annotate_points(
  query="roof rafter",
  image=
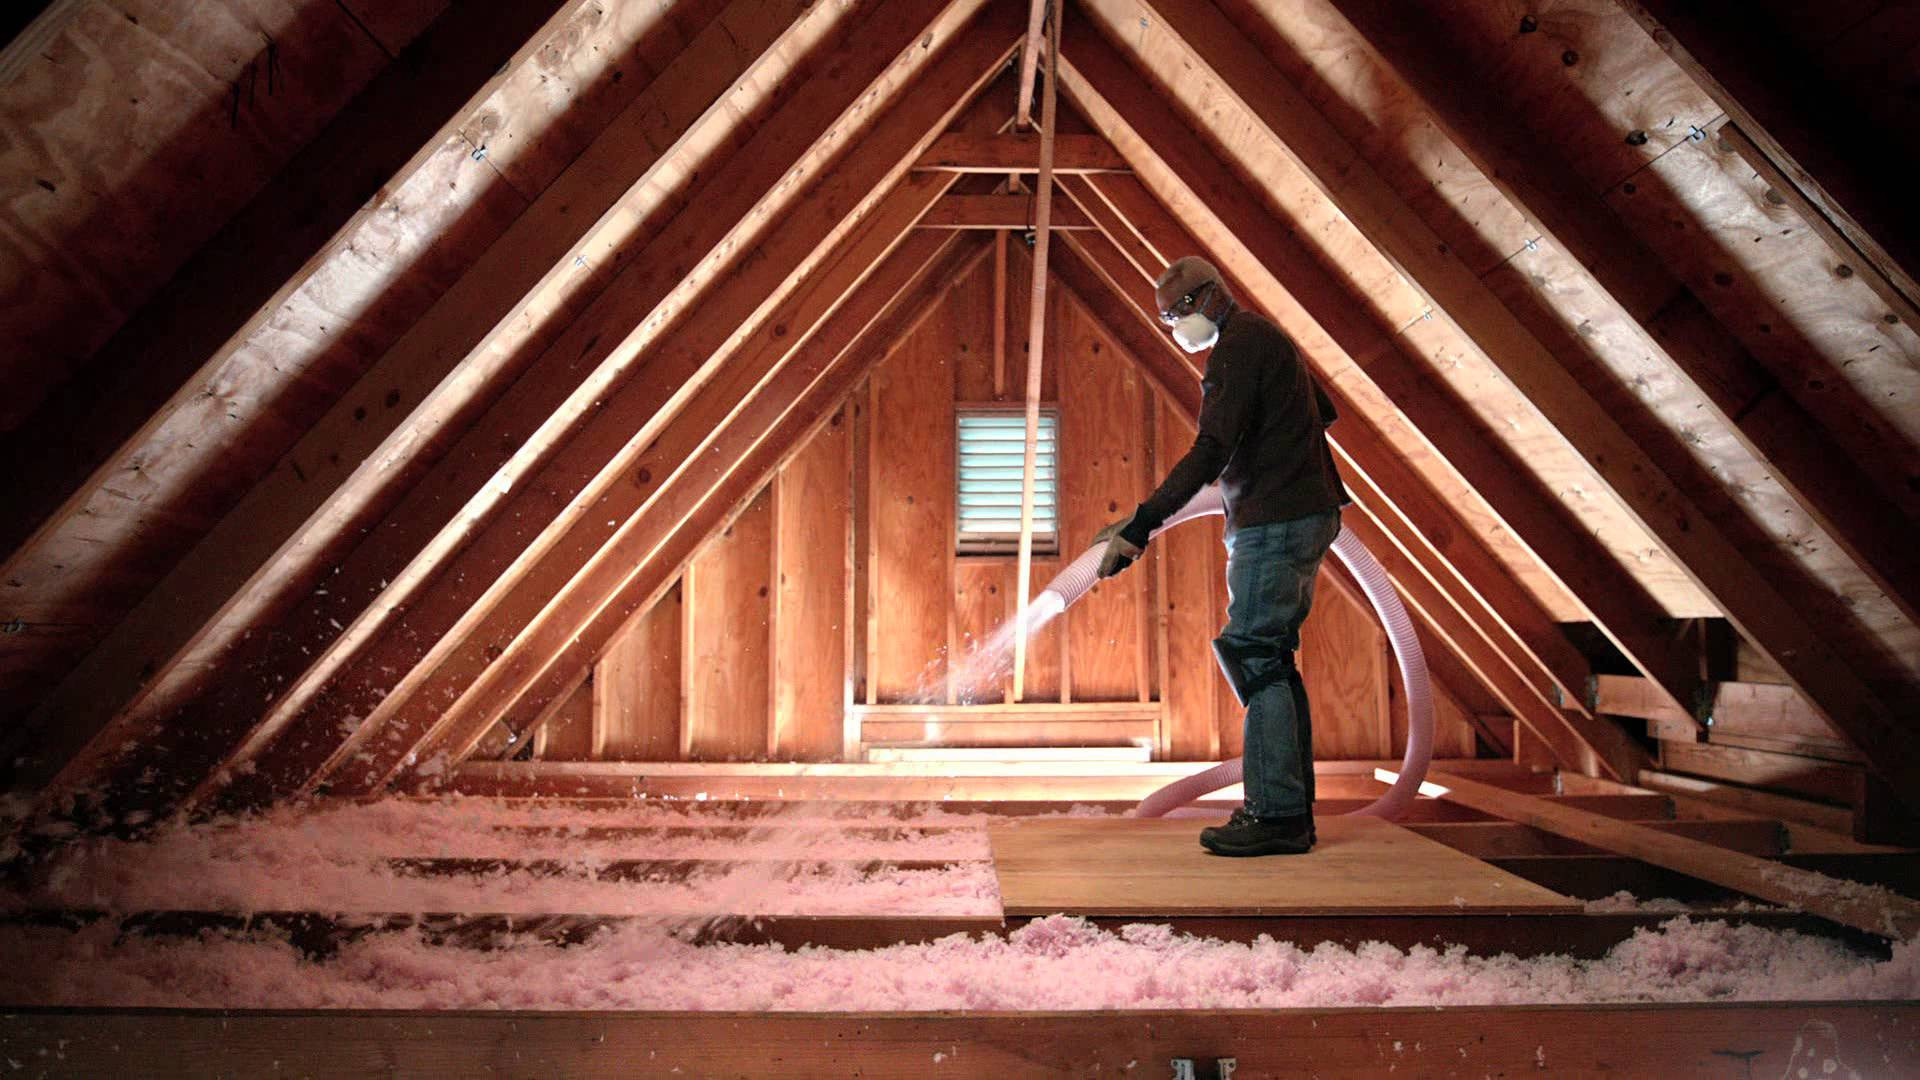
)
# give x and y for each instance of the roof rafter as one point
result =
(1849, 502)
(774, 428)
(1512, 674)
(1749, 598)
(1320, 316)
(824, 211)
(563, 351)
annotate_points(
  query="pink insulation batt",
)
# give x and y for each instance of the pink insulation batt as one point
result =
(824, 860)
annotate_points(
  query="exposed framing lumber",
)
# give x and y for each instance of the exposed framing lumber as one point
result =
(646, 401)
(651, 551)
(1036, 348)
(1522, 696)
(1777, 430)
(999, 154)
(1747, 707)
(361, 459)
(954, 80)
(1030, 61)
(999, 212)
(1620, 756)
(1748, 597)
(1681, 1039)
(1712, 49)
(311, 332)
(1274, 270)
(1525, 698)
(1885, 914)
(683, 442)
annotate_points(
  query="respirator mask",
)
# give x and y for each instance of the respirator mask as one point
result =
(1194, 332)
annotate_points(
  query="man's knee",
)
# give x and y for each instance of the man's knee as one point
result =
(1252, 668)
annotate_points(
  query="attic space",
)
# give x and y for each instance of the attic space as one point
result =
(802, 537)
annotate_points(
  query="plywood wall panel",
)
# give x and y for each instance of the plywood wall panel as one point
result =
(911, 466)
(636, 688)
(1343, 658)
(568, 733)
(810, 572)
(981, 588)
(1103, 452)
(1192, 556)
(728, 601)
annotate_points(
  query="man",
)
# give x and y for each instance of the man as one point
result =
(1262, 435)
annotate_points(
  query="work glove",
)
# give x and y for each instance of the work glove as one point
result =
(1119, 552)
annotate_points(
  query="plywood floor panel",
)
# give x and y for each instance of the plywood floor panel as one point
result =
(1129, 866)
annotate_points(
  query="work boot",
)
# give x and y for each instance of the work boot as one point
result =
(1244, 834)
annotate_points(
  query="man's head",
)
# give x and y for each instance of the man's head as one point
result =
(1193, 300)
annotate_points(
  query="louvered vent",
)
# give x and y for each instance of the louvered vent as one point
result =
(992, 446)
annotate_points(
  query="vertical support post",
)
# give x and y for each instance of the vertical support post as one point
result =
(999, 314)
(1036, 331)
(1029, 63)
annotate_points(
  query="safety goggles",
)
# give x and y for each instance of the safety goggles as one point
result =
(1186, 305)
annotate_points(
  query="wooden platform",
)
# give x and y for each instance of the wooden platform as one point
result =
(1126, 866)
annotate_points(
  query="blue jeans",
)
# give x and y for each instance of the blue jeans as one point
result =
(1270, 574)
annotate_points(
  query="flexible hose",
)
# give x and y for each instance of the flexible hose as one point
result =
(1081, 574)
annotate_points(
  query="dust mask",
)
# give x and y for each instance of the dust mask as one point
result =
(1195, 332)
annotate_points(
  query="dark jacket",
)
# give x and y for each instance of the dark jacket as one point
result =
(1263, 420)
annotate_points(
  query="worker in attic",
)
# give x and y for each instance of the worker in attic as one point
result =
(1262, 436)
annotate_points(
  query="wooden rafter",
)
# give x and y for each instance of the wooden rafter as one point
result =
(1516, 614)
(1885, 913)
(1727, 57)
(228, 416)
(1751, 599)
(1328, 321)
(886, 150)
(445, 513)
(571, 584)
(1452, 541)
(775, 427)
(1852, 504)
(287, 553)
(1513, 675)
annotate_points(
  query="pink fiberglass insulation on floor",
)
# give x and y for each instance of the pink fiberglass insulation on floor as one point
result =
(795, 859)
(1059, 963)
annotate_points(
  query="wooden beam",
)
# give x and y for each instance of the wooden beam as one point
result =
(48, 455)
(1268, 265)
(1874, 911)
(264, 564)
(1620, 755)
(531, 598)
(1030, 62)
(1074, 155)
(1778, 430)
(647, 555)
(1036, 342)
(446, 670)
(1747, 708)
(1526, 698)
(1748, 597)
(1680, 1039)
(348, 678)
(998, 212)
(1814, 138)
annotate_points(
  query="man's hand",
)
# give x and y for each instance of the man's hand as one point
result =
(1120, 552)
